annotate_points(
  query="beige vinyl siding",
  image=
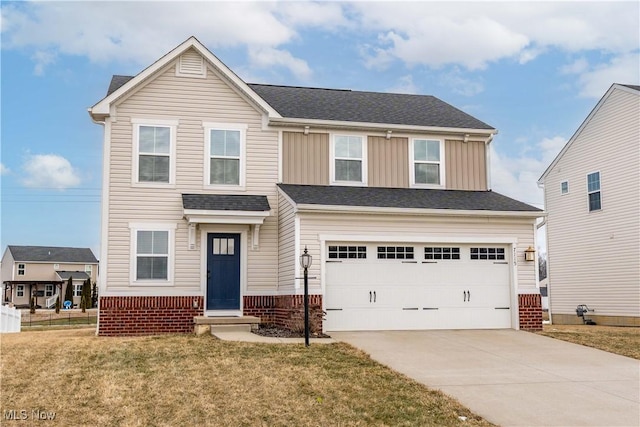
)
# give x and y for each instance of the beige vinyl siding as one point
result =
(388, 162)
(432, 229)
(286, 238)
(466, 165)
(7, 269)
(191, 101)
(46, 270)
(305, 158)
(593, 256)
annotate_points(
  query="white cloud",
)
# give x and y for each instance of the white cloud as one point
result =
(49, 171)
(623, 69)
(4, 170)
(461, 85)
(269, 57)
(405, 84)
(517, 176)
(578, 66)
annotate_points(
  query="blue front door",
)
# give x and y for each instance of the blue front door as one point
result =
(223, 271)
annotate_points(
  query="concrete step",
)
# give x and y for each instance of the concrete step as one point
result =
(230, 328)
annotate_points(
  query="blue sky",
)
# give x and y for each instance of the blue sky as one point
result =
(532, 70)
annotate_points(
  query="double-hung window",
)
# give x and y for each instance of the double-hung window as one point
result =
(48, 290)
(225, 156)
(426, 158)
(21, 269)
(152, 255)
(77, 289)
(349, 159)
(593, 191)
(20, 291)
(154, 142)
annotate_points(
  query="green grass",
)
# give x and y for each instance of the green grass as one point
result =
(189, 380)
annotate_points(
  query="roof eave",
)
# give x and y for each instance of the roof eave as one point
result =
(383, 127)
(306, 207)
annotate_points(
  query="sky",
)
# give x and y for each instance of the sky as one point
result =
(533, 70)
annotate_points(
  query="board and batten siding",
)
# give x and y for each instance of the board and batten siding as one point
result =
(305, 160)
(436, 229)
(466, 165)
(593, 256)
(191, 101)
(287, 249)
(388, 162)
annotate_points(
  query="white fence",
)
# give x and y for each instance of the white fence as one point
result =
(9, 319)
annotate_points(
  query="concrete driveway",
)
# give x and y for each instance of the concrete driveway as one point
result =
(514, 378)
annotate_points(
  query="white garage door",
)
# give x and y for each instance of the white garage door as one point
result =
(417, 286)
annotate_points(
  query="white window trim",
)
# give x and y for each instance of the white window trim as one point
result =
(242, 128)
(135, 158)
(562, 182)
(88, 268)
(586, 179)
(77, 289)
(332, 163)
(49, 290)
(24, 269)
(134, 228)
(412, 169)
(20, 290)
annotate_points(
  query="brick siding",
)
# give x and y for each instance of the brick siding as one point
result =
(148, 315)
(530, 312)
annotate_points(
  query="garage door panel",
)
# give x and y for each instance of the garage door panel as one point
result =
(373, 293)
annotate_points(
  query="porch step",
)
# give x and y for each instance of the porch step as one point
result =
(204, 324)
(230, 328)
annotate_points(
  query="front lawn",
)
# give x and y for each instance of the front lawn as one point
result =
(620, 340)
(188, 380)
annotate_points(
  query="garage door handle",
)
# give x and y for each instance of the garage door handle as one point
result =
(374, 296)
(468, 296)
(369, 296)
(464, 295)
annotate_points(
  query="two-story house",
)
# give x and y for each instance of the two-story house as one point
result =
(592, 194)
(213, 188)
(43, 272)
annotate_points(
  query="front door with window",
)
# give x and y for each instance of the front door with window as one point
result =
(223, 271)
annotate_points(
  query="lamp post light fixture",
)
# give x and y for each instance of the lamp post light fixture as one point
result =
(530, 254)
(305, 263)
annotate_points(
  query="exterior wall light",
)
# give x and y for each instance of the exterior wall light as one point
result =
(530, 254)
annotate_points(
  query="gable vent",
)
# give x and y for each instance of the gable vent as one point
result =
(191, 64)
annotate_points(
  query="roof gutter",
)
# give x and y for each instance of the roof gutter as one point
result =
(369, 210)
(382, 127)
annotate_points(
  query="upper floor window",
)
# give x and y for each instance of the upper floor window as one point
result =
(88, 268)
(593, 191)
(155, 151)
(426, 159)
(564, 187)
(21, 269)
(225, 159)
(349, 159)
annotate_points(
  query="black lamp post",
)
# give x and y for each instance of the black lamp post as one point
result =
(305, 263)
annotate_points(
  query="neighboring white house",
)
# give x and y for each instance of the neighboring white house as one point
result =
(592, 196)
(213, 188)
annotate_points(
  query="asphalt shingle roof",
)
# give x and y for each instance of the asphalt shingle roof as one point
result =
(409, 198)
(366, 107)
(634, 87)
(355, 106)
(225, 202)
(52, 254)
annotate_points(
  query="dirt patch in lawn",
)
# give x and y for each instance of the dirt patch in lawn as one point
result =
(620, 340)
(196, 380)
(275, 331)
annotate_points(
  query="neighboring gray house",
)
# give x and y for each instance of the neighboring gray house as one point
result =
(592, 196)
(44, 271)
(213, 188)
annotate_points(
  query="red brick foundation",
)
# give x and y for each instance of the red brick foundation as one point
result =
(128, 315)
(149, 315)
(286, 311)
(530, 312)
